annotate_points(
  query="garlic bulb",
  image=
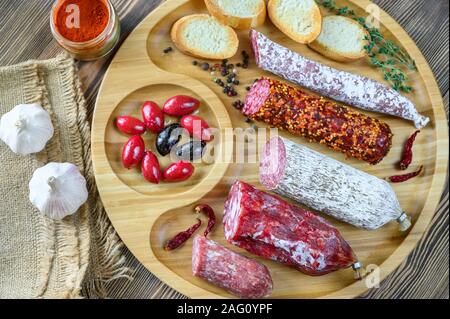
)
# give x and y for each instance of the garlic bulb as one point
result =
(26, 129)
(58, 189)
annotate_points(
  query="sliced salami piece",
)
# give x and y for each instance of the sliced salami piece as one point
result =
(237, 274)
(319, 120)
(352, 89)
(326, 185)
(268, 226)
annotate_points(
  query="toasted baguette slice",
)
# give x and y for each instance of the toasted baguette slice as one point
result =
(242, 14)
(202, 36)
(300, 20)
(341, 39)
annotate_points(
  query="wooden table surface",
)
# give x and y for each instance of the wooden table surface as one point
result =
(25, 34)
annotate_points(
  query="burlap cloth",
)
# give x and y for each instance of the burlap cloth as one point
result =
(40, 257)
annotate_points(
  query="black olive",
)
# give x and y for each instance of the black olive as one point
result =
(167, 138)
(191, 151)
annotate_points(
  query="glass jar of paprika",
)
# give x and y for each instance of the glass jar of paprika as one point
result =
(88, 29)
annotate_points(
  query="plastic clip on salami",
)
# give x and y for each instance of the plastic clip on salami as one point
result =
(326, 185)
(359, 270)
(404, 221)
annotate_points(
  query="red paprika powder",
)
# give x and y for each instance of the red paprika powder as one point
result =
(93, 19)
(88, 29)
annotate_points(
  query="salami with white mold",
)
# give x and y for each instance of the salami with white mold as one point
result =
(326, 185)
(239, 275)
(268, 226)
(352, 89)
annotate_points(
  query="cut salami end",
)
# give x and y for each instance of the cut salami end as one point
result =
(254, 45)
(257, 96)
(239, 275)
(272, 163)
(268, 226)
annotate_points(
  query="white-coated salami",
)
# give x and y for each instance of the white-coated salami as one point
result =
(326, 185)
(352, 89)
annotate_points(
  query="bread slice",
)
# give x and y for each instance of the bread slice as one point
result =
(241, 14)
(203, 36)
(341, 39)
(300, 20)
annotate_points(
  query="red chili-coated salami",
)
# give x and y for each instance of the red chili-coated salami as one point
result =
(239, 275)
(319, 120)
(270, 227)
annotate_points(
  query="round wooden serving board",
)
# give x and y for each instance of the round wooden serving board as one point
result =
(146, 215)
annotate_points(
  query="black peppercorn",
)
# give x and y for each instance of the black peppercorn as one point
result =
(194, 62)
(236, 82)
(248, 88)
(167, 50)
(205, 66)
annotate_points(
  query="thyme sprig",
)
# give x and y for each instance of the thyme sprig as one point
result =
(384, 54)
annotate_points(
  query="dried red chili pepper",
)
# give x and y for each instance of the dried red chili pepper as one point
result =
(405, 177)
(182, 237)
(407, 151)
(209, 212)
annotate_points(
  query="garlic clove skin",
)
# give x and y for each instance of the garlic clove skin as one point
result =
(58, 190)
(26, 129)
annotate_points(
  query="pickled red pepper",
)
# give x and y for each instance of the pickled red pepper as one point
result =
(407, 152)
(405, 177)
(182, 237)
(209, 212)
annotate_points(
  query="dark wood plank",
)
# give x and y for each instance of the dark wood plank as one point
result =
(25, 34)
